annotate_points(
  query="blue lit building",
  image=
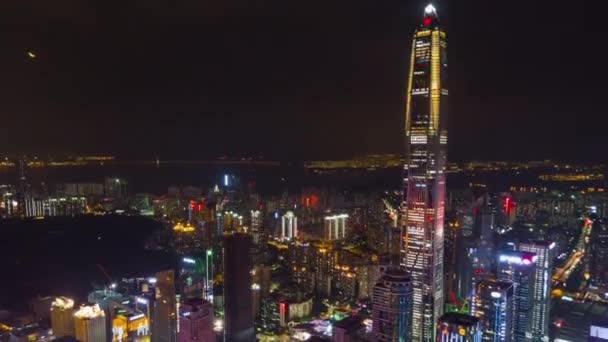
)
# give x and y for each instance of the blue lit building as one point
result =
(492, 304)
(392, 307)
(519, 268)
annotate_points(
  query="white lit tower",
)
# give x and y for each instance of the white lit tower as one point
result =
(424, 173)
(289, 226)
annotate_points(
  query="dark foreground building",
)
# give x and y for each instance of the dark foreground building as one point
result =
(238, 301)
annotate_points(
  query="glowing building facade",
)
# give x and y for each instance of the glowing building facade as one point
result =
(424, 173)
(335, 227)
(130, 327)
(62, 317)
(289, 226)
(492, 304)
(541, 291)
(90, 324)
(520, 269)
(457, 327)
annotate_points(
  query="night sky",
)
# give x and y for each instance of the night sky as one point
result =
(295, 79)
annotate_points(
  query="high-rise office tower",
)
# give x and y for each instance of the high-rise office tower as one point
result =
(541, 296)
(492, 304)
(164, 325)
(392, 307)
(424, 173)
(457, 327)
(196, 321)
(518, 268)
(238, 306)
(90, 324)
(62, 317)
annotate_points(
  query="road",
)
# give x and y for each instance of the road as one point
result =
(561, 275)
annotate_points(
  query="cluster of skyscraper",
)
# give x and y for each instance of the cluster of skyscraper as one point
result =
(509, 295)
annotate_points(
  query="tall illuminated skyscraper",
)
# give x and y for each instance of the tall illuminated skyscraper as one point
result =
(541, 291)
(519, 268)
(424, 173)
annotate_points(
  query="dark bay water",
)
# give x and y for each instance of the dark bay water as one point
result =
(68, 256)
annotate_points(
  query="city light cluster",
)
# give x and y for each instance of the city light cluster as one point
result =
(184, 228)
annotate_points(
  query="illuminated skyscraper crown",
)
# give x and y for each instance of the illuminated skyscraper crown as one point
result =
(431, 18)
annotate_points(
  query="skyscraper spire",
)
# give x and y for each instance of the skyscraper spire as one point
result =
(430, 10)
(431, 18)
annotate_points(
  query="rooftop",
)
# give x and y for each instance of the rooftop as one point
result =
(89, 311)
(396, 275)
(62, 303)
(458, 318)
(350, 323)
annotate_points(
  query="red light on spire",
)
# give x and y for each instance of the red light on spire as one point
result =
(427, 21)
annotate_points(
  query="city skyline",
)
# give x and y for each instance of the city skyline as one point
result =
(260, 241)
(163, 79)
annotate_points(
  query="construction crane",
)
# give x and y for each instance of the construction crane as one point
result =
(393, 214)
